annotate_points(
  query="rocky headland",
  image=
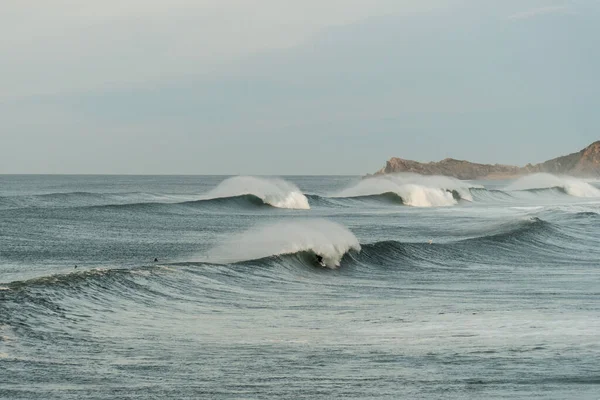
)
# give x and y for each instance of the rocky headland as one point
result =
(584, 163)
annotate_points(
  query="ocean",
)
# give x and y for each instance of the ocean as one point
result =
(301, 287)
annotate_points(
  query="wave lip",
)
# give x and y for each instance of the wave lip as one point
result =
(324, 238)
(569, 185)
(413, 189)
(275, 192)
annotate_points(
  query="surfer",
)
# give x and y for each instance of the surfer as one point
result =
(156, 260)
(320, 260)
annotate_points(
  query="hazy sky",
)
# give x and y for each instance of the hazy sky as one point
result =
(293, 87)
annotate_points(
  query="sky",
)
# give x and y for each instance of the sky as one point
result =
(293, 87)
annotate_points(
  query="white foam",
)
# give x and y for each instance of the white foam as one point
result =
(527, 208)
(326, 238)
(276, 192)
(572, 186)
(415, 190)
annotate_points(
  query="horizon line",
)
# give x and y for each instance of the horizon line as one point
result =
(127, 174)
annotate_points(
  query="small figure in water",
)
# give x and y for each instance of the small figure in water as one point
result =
(75, 267)
(156, 260)
(430, 241)
(320, 259)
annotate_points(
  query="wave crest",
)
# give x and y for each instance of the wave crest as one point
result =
(413, 189)
(321, 237)
(275, 192)
(571, 186)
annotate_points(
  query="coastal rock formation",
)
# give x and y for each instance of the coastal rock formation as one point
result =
(585, 163)
(450, 167)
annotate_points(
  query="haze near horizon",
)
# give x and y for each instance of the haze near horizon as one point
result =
(329, 87)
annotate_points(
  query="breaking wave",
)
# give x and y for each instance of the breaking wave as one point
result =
(296, 244)
(413, 189)
(251, 192)
(275, 192)
(326, 239)
(569, 185)
(239, 201)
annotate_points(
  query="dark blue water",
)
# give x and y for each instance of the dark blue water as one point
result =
(405, 287)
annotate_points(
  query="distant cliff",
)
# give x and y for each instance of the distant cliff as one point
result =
(585, 163)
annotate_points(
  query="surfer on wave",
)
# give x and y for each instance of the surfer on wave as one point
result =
(320, 260)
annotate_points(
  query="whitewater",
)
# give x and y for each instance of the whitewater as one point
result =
(275, 192)
(412, 189)
(299, 287)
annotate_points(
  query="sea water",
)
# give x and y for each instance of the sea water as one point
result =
(429, 287)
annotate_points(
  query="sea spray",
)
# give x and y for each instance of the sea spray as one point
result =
(414, 190)
(572, 186)
(321, 237)
(275, 192)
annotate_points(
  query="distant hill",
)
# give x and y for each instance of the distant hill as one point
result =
(585, 163)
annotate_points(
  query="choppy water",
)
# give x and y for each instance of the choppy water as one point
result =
(431, 288)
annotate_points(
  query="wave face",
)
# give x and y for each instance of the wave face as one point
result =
(413, 190)
(321, 237)
(571, 186)
(275, 192)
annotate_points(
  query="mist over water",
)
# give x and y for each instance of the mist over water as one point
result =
(274, 192)
(572, 186)
(320, 237)
(305, 287)
(413, 189)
